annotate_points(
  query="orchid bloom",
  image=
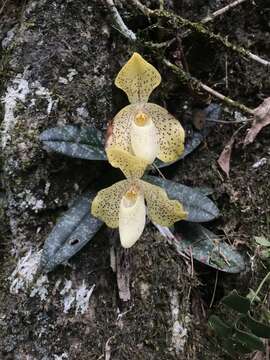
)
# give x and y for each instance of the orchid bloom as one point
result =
(123, 204)
(143, 129)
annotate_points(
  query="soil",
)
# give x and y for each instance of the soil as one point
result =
(68, 54)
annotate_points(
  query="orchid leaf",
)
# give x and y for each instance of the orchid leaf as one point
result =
(74, 141)
(262, 240)
(73, 231)
(250, 341)
(258, 328)
(207, 248)
(234, 347)
(237, 302)
(222, 329)
(199, 207)
(205, 190)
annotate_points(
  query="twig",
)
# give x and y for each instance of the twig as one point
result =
(129, 34)
(214, 291)
(188, 79)
(159, 172)
(159, 45)
(166, 232)
(144, 9)
(177, 20)
(221, 11)
(3, 6)
(226, 99)
(258, 59)
(260, 287)
(230, 122)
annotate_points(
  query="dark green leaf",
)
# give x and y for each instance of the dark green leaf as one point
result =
(73, 231)
(234, 347)
(220, 327)
(207, 248)
(258, 328)
(237, 302)
(75, 141)
(250, 341)
(198, 206)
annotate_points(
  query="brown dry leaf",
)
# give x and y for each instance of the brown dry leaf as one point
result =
(260, 120)
(225, 157)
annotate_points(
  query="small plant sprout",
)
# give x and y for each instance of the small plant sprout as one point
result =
(143, 129)
(123, 205)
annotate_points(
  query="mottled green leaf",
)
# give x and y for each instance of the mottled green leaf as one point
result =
(207, 248)
(205, 190)
(198, 206)
(237, 302)
(261, 240)
(265, 254)
(220, 327)
(234, 347)
(73, 231)
(250, 341)
(258, 328)
(75, 141)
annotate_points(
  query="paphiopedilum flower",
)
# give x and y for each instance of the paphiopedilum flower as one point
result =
(123, 205)
(144, 129)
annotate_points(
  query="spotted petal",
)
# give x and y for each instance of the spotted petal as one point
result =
(132, 166)
(106, 204)
(121, 126)
(162, 210)
(137, 79)
(170, 132)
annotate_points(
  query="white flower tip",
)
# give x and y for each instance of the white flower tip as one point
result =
(132, 215)
(144, 137)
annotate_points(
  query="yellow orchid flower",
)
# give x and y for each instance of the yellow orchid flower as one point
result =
(123, 205)
(143, 129)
